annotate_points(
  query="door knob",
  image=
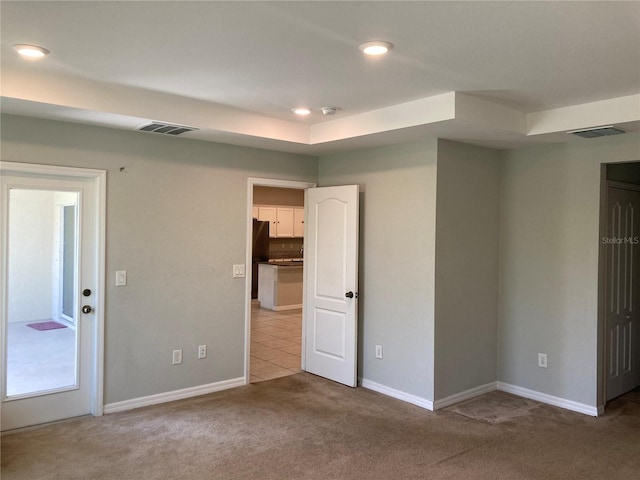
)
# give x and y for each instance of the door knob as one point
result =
(349, 294)
(87, 309)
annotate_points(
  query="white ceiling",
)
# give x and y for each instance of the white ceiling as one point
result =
(500, 74)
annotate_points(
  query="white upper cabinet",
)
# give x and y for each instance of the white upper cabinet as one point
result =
(269, 214)
(284, 222)
(298, 222)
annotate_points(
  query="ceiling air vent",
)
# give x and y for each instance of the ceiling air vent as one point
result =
(597, 132)
(166, 128)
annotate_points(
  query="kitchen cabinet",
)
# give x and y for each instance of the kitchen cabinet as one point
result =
(284, 228)
(255, 213)
(298, 222)
(284, 222)
(269, 214)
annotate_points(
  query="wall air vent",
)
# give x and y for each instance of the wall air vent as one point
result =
(166, 128)
(597, 132)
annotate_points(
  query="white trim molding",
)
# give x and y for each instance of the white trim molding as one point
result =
(392, 392)
(481, 390)
(174, 395)
(97, 400)
(466, 395)
(549, 399)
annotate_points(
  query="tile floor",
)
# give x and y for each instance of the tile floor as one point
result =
(275, 343)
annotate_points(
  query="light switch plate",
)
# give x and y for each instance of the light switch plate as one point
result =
(238, 271)
(121, 278)
(542, 360)
(379, 352)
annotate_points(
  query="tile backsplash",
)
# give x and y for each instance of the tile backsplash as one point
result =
(285, 248)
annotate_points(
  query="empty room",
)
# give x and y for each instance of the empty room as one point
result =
(319, 240)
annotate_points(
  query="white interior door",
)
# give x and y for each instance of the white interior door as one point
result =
(49, 258)
(331, 283)
(622, 340)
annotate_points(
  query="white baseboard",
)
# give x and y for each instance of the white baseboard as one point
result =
(548, 399)
(480, 390)
(392, 392)
(466, 395)
(173, 395)
(371, 385)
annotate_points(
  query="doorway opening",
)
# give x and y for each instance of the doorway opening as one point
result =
(275, 251)
(618, 279)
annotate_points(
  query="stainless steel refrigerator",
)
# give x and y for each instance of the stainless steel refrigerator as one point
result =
(259, 252)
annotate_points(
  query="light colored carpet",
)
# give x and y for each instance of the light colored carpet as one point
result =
(495, 407)
(305, 427)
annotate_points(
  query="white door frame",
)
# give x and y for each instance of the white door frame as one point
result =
(261, 182)
(99, 178)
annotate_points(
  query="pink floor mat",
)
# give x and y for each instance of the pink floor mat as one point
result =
(46, 325)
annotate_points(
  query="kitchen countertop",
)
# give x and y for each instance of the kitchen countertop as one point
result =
(284, 263)
(280, 284)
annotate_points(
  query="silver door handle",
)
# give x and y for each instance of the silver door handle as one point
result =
(87, 309)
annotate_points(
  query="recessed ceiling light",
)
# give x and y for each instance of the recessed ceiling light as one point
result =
(31, 51)
(301, 111)
(375, 48)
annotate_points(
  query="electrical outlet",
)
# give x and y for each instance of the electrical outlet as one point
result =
(202, 351)
(379, 351)
(177, 357)
(542, 360)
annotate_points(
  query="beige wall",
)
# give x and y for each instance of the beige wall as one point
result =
(31, 255)
(549, 245)
(397, 248)
(35, 254)
(466, 273)
(278, 196)
(176, 221)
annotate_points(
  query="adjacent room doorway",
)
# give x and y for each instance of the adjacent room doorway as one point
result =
(276, 279)
(619, 277)
(329, 310)
(52, 264)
